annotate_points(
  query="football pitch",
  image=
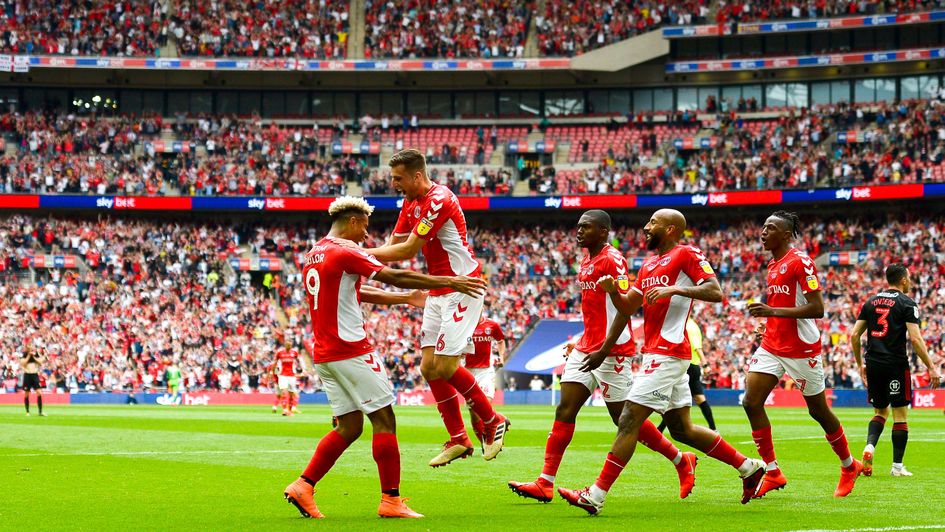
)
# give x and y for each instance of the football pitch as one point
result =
(224, 468)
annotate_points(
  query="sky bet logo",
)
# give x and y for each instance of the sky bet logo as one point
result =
(256, 203)
(553, 202)
(700, 199)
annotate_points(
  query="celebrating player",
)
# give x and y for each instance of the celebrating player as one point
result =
(888, 316)
(613, 376)
(31, 363)
(481, 363)
(285, 366)
(431, 219)
(354, 378)
(665, 287)
(791, 344)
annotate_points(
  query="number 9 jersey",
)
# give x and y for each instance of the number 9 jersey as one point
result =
(332, 273)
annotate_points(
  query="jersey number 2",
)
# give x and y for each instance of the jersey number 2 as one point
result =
(883, 313)
(312, 284)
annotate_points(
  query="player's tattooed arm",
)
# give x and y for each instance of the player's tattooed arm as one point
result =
(813, 309)
(595, 359)
(858, 329)
(918, 343)
(708, 291)
(407, 249)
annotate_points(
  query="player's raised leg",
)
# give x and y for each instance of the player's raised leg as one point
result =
(873, 432)
(758, 385)
(448, 404)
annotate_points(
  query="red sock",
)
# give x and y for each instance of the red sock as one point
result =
(278, 400)
(652, 438)
(765, 444)
(479, 427)
(466, 385)
(285, 400)
(838, 442)
(387, 456)
(326, 454)
(723, 452)
(447, 402)
(613, 466)
(558, 440)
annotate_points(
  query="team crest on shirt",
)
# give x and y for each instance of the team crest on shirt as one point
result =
(416, 211)
(812, 282)
(424, 227)
(588, 271)
(623, 282)
(706, 267)
(783, 269)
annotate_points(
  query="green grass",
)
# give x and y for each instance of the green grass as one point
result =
(224, 468)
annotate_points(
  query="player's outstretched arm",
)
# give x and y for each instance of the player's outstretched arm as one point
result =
(471, 286)
(709, 291)
(920, 349)
(813, 309)
(855, 344)
(376, 296)
(407, 249)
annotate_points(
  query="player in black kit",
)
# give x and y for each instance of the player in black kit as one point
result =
(888, 317)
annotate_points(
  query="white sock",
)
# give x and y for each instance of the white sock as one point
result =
(597, 495)
(869, 448)
(848, 462)
(678, 458)
(897, 466)
(772, 466)
(549, 478)
(746, 467)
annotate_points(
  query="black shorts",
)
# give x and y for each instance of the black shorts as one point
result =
(888, 386)
(695, 380)
(31, 381)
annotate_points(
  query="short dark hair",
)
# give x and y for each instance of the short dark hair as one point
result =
(599, 217)
(790, 218)
(412, 160)
(895, 273)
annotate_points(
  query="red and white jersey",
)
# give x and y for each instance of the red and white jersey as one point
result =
(598, 310)
(286, 361)
(438, 219)
(788, 280)
(332, 273)
(485, 334)
(664, 322)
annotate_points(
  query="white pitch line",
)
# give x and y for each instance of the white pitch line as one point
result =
(877, 529)
(157, 453)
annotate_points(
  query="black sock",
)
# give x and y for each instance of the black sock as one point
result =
(900, 436)
(26, 403)
(39, 403)
(662, 426)
(875, 430)
(707, 412)
(393, 493)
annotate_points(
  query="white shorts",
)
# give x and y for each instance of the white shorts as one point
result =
(288, 383)
(662, 384)
(613, 376)
(449, 322)
(358, 383)
(808, 373)
(485, 378)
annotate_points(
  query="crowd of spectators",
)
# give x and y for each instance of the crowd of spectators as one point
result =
(750, 11)
(488, 29)
(310, 29)
(157, 292)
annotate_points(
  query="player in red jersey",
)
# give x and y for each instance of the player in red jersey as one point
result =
(285, 368)
(613, 376)
(431, 219)
(354, 378)
(482, 364)
(665, 287)
(790, 344)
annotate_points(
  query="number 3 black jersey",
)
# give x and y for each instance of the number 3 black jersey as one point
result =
(886, 315)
